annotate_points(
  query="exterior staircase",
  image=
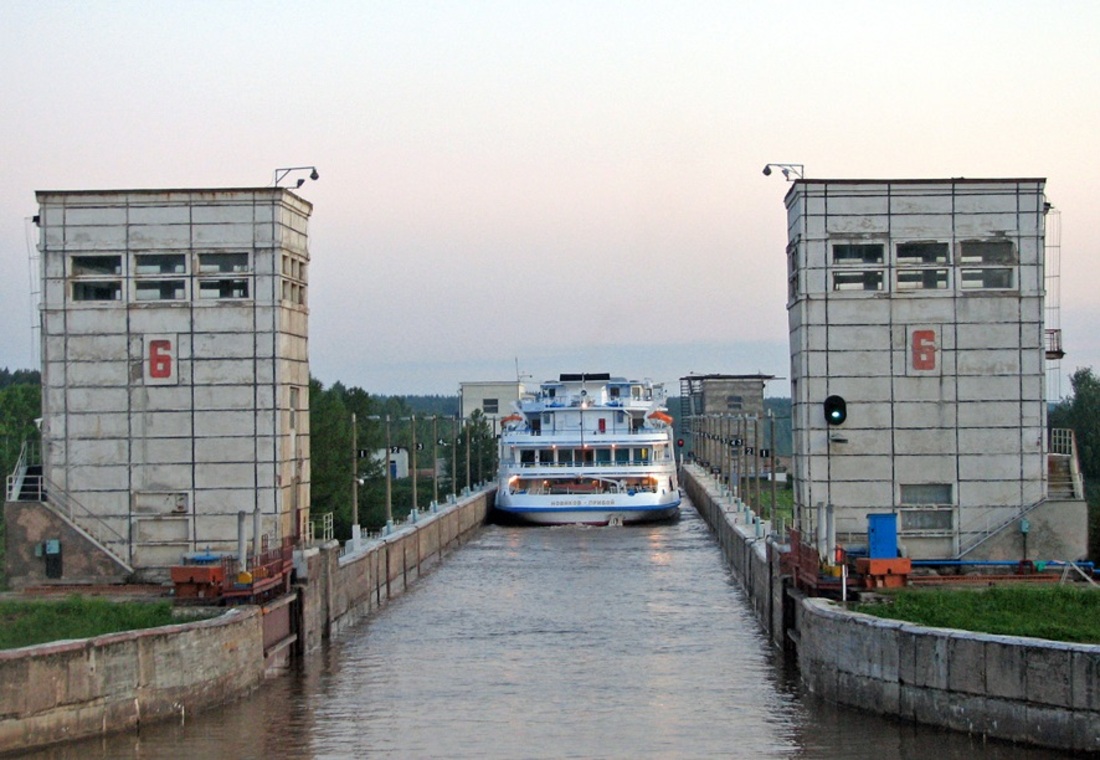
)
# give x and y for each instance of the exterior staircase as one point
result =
(29, 484)
(1064, 483)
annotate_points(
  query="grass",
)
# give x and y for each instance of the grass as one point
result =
(1057, 613)
(25, 623)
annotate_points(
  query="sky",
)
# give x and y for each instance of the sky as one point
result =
(528, 188)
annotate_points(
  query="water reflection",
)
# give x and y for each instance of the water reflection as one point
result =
(550, 642)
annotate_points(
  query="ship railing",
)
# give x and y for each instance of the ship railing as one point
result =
(603, 465)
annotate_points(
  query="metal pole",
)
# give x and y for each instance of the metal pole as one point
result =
(412, 422)
(354, 471)
(389, 485)
(756, 457)
(435, 459)
(454, 455)
(466, 423)
(771, 452)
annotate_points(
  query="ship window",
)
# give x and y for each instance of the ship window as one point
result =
(527, 456)
(857, 253)
(622, 455)
(97, 291)
(603, 456)
(96, 265)
(870, 279)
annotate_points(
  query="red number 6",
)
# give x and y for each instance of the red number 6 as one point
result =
(924, 349)
(160, 359)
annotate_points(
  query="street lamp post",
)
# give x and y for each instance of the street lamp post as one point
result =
(415, 505)
(435, 461)
(354, 482)
(467, 454)
(454, 456)
(389, 484)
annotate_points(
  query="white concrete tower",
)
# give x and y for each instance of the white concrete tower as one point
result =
(920, 304)
(175, 367)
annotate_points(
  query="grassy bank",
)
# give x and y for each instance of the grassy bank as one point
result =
(1058, 613)
(24, 623)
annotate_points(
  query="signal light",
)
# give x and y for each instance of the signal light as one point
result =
(836, 410)
(680, 442)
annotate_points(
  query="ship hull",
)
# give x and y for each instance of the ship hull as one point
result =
(586, 510)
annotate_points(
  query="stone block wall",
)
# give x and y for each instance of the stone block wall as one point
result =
(84, 687)
(1026, 690)
(1031, 691)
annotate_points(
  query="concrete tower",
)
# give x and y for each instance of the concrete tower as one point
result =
(919, 303)
(175, 369)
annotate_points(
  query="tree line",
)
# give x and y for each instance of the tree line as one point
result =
(333, 452)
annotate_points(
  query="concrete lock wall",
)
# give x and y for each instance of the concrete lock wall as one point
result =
(1020, 689)
(1025, 690)
(72, 689)
(68, 690)
(341, 588)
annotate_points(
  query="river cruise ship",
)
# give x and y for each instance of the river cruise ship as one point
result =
(592, 449)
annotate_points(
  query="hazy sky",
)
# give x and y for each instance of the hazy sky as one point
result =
(566, 186)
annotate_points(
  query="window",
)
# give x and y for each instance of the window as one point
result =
(858, 253)
(858, 280)
(98, 266)
(922, 279)
(92, 290)
(490, 405)
(927, 520)
(934, 514)
(160, 290)
(293, 408)
(998, 278)
(922, 253)
(223, 289)
(926, 493)
(987, 252)
(223, 263)
(160, 263)
(734, 403)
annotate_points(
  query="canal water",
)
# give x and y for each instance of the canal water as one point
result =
(565, 642)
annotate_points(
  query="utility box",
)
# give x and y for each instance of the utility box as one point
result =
(882, 536)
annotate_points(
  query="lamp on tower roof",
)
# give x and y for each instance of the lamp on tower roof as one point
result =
(788, 170)
(281, 174)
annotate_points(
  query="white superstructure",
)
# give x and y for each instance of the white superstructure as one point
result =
(589, 448)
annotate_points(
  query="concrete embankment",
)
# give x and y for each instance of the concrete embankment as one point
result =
(72, 689)
(1026, 690)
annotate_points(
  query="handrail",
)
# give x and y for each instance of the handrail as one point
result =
(61, 501)
(15, 480)
(1061, 442)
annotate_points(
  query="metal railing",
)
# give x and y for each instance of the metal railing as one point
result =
(320, 529)
(28, 456)
(1063, 480)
